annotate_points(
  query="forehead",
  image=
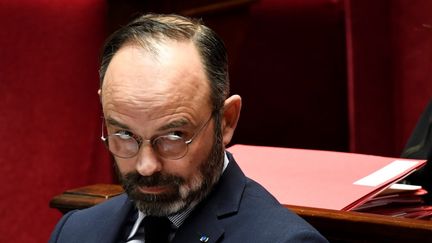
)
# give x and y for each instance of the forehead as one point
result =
(170, 79)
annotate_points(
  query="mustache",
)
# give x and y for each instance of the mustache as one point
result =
(157, 179)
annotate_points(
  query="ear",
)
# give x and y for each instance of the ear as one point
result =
(231, 114)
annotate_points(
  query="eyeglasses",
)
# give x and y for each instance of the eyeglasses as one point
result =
(126, 145)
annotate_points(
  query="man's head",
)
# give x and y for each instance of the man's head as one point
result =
(164, 84)
(149, 30)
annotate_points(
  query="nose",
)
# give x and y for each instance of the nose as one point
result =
(148, 162)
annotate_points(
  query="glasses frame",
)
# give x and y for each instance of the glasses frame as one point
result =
(139, 140)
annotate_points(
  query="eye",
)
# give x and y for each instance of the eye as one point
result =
(172, 137)
(124, 134)
(178, 134)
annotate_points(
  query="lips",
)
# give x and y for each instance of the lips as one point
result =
(153, 189)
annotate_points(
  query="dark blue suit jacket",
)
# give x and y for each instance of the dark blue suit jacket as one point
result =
(238, 210)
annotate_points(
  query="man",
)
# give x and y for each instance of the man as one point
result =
(164, 92)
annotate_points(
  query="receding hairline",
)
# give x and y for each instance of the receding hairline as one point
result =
(178, 28)
(150, 43)
(199, 71)
(152, 49)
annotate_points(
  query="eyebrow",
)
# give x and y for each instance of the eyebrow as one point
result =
(113, 122)
(174, 124)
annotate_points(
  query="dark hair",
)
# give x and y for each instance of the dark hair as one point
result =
(147, 29)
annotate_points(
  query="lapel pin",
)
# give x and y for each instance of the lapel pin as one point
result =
(204, 238)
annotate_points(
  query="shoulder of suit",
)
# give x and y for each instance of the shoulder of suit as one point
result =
(256, 197)
(261, 211)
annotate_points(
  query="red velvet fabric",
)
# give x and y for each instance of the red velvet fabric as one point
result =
(390, 82)
(291, 75)
(50, 115)
(411, 63)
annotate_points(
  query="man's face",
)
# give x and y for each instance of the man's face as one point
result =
(151, 95)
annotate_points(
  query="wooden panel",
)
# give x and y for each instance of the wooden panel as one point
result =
(337, 226)
(84, 197)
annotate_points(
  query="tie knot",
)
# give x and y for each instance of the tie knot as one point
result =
(156, 229)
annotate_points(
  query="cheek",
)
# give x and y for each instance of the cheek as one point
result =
(125, 165)
(186, 169)
(189, 167)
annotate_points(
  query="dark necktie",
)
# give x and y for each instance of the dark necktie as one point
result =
(156, 229)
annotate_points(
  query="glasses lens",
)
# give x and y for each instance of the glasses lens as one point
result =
(170, 146)
(123, 146)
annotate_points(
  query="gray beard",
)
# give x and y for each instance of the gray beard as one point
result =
(183, 195)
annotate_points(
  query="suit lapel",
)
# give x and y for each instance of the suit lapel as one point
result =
(201, 228)
(204, 224)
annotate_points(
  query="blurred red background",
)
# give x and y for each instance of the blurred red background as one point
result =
(349, 75)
